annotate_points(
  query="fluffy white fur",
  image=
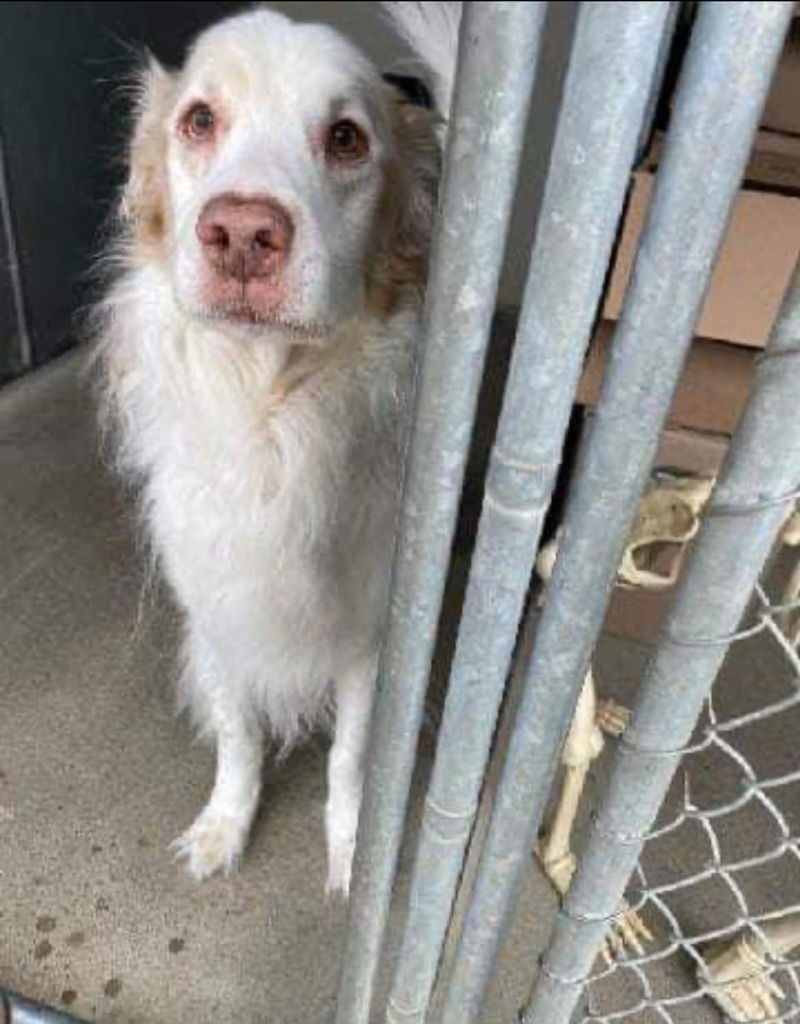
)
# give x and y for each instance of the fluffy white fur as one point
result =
(267, 439)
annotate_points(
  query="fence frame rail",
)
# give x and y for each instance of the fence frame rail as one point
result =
(595, 146)
(498, 52)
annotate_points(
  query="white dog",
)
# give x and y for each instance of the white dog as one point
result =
(258, 348)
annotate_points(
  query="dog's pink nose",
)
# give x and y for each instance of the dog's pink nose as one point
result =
(245, 236)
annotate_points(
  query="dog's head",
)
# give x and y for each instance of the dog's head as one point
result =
(278, 180)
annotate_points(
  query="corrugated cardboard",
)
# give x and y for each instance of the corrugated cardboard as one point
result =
(775, 163)
(759, 252)
(782, 109)
(691, 451)
(712, 390)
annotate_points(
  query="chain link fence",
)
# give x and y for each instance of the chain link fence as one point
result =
(718, 881)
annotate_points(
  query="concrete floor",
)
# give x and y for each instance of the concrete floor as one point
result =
(97, 776)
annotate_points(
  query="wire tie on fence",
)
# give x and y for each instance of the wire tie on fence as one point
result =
(560, 979)
(623, 838)
(523, 511)
(428, 823)
(398, 1009)
(779, 609)
(626, 744)
(781, 353)
(748, 507)
(529, 510)
(444, 813)
(717, 641)
(588, 918)
(519, 465)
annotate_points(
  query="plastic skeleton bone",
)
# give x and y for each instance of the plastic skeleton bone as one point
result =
(738, 978)
(668, 517)
(583, 744)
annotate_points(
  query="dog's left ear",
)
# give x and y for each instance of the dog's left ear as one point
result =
(414, 90)
(144, 202)
(418, 127)
(400, 245)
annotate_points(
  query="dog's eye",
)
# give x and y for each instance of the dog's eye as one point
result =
(346, 142)
(198, 121)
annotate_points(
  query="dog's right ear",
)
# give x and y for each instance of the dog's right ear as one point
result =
(144, 206)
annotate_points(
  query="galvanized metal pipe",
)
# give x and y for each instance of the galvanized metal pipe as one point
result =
(727, 72)
(22, 342)
(614, 57)
(498, 52)
(14, 1009)
(761, 474)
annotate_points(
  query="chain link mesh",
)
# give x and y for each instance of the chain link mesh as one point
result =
(718, 882)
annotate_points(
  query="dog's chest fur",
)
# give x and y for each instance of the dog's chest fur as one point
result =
(269, 483)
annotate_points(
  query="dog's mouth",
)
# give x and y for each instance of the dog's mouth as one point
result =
(247, 315)
(242, 312)
(259, 306)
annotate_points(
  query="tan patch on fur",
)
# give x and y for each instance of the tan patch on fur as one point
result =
(398, 263)
(303, 363)
(144, 200)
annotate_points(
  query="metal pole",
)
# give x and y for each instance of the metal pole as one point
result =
(16, 1010)
(613, 60)
(760, 476)
(22, 342)
(726, 76)
(498, 53)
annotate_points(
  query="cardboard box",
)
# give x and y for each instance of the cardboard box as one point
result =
(758, 254)
(775, 163)
(637, 614)
(782, 109)
(713, 387)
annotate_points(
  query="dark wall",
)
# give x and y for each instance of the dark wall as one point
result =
(62, 121)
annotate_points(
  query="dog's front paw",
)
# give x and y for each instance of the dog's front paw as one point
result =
(213, 843)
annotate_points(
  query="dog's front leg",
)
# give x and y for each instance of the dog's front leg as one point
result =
(354, 692)
(218, 836)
